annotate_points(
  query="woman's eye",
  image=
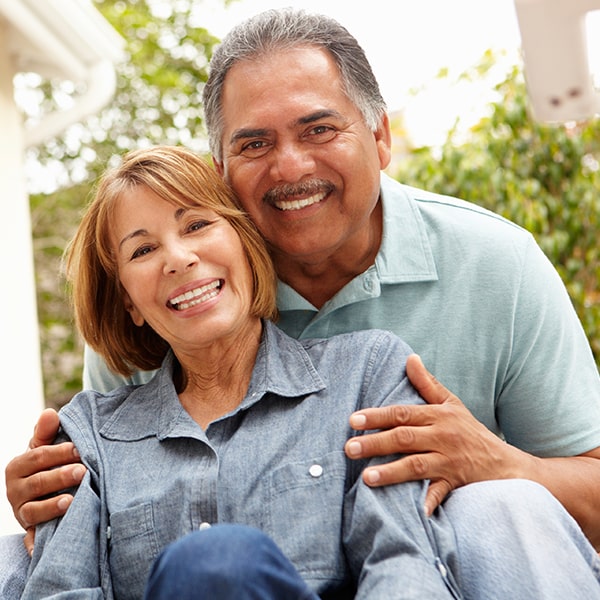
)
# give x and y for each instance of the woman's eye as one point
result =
(196, 225)
(142, 251)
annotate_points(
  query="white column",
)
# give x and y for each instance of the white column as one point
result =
(21, 390)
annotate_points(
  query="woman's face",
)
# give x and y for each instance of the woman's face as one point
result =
(184, 271)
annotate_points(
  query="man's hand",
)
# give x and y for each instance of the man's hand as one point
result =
(442, 439)
(33, 475)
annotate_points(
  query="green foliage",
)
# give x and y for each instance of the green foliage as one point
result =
(54, 219)
(159, 89)
(545, 178)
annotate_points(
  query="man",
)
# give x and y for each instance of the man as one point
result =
(299, 129)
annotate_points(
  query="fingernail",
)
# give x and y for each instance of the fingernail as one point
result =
(354, 448)
(76, 452)
(358, 420)
(372, 475)
(63, 503)
(78, 473)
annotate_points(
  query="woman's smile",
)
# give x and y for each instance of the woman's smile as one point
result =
(197, 295)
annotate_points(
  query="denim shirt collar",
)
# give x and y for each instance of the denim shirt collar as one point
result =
(282, 366)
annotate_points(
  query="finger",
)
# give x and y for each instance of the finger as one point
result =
(436, 494)
(409, 468)
(388, 417)
(25, 494)
(41, 459)
(29, 539)
(400, 440)
(35, 513)
(45, 429)
(430, 389)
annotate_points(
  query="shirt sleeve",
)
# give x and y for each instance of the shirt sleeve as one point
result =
(392, 547)
(66, 561)
(550, 401)
(70, 559)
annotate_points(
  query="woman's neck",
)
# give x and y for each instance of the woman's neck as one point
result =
(215, 380)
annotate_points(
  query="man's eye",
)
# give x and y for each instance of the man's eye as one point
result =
(255, 148)
(321, 134)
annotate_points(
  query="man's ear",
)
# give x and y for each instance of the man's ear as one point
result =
(383, 140)
(134, 313)
(219, 167)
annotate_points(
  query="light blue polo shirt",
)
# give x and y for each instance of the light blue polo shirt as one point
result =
(474, 295)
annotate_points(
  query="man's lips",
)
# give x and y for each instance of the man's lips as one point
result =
(196, 296)
(296, 196)
(298, 204)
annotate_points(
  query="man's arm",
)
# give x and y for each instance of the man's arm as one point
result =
(33, 476)
(446, 444)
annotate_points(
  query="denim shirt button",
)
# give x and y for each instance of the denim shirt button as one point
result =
(204, 525)
(316, 471)
(441, 567)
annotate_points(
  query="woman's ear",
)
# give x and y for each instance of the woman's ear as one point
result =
(134, 313)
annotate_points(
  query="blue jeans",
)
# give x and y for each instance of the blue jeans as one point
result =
(513, 540)
(228, 562)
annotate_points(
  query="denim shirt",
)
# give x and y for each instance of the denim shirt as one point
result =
(276, 462)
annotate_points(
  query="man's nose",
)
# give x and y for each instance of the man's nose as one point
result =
(291, 162)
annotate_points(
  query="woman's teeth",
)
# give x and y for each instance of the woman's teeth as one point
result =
(194, 297)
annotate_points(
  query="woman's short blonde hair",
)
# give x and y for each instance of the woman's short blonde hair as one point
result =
(179, 176)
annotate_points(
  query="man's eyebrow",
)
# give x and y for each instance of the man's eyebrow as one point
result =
(249, 133)
(318, 115)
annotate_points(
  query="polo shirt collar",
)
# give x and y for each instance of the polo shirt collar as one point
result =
(405, 254)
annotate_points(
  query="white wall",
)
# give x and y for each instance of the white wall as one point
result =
(21, 391)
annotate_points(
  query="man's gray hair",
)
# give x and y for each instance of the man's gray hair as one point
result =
(275, 30)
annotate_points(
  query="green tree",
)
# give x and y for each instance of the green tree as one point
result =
(546, 178)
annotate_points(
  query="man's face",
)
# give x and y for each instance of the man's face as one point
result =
(299, 155)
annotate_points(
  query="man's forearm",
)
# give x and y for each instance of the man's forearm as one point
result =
(575, 482)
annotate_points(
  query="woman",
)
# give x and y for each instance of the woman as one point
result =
(240, 425)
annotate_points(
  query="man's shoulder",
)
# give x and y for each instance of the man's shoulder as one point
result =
(444, 211)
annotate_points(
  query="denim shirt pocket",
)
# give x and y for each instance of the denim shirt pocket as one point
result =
(305, 502)
(133, 549)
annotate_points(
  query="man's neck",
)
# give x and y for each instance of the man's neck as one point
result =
(320, 277)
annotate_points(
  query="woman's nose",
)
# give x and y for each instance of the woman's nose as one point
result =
(179, 258)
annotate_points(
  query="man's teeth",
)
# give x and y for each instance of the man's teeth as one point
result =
(193, 297)
(298, 204)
